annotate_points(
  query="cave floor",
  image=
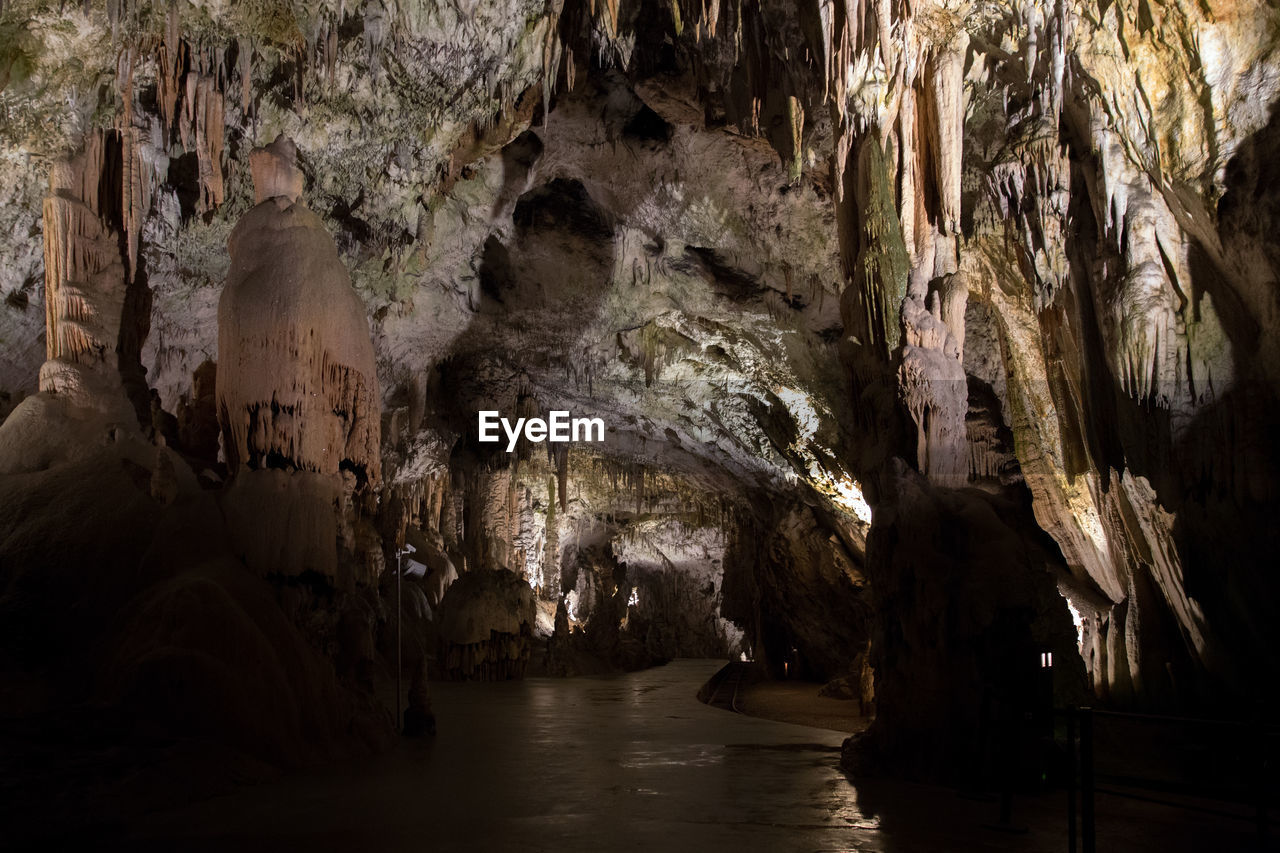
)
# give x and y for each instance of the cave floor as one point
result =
(798, 702)
(632, 762)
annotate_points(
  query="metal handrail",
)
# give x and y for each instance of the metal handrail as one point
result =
(1165, 718)
(1082, 720)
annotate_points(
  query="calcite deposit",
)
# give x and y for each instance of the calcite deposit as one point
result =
(297, 388)
(297, 384)
(486, 627)
(85, 279)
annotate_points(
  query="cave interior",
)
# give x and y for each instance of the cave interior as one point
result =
(916, 362)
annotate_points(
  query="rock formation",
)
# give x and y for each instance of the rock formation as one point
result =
(85, 282)
(486, 626)
(297, 388)
(297, 385)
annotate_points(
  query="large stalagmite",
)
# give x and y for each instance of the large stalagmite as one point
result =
(84, 283)
(297, 387)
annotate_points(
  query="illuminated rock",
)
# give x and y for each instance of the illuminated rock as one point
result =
(297, 385)
(85, 283)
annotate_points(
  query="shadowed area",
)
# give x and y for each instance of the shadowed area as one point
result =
(627, 763)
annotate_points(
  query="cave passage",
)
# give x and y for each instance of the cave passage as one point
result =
(928, 354)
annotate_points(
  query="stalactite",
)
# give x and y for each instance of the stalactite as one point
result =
(947, 89)
(244, 69)
(170, 59)
(609, 17)
(187, 105)
(795, 113)
(880, 269)
(653, 352)
(375, 33)
(562, 476)
(502, 657)
(638, 489)
(135, 187)
(932, 387)
(551, 49)
(206, 114)
(331, 53)
(912, 209)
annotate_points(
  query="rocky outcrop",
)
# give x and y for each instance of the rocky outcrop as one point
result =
(1123, 355)
(796, 584)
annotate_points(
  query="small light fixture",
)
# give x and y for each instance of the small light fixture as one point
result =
(1046, 660)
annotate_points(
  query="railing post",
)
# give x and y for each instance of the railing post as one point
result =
(1010, 739)
(1071, 779)
(1087, 828)
(1261, 782)
(399, 611)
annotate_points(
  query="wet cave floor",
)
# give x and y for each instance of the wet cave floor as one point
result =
(624, 763)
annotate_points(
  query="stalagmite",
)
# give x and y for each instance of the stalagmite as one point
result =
(297, 384)
(85, 282)
(485, 622)
(1050, 374)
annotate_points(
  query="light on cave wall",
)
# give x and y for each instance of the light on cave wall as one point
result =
(849, 495)
(802, 412)
(843, 490)
(1078, 621)
(635, 597)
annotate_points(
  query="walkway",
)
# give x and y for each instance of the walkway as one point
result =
(632, 763)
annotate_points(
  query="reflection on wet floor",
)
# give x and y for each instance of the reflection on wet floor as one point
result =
(597, 764)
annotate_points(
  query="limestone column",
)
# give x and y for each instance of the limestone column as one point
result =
(297, 386)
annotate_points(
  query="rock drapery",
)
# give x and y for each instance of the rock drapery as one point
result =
(86, 280)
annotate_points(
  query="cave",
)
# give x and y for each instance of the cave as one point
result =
(618, 424)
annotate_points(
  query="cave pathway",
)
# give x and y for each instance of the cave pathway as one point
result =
(622, 763)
